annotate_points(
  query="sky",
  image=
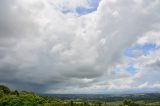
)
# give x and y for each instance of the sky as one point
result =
(80, 46)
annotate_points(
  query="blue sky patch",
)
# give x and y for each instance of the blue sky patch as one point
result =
(93, 5)
(144, 49)
(85, 10)
(131, 69)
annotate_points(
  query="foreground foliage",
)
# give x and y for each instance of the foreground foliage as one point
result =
(24, 98)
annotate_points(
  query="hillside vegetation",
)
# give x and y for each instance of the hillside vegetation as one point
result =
(24, 98)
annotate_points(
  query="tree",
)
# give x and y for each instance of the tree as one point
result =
(5, 89)
(71, 103)
(16, 92)
(130, 103)
(99, 104)
(126, 102)
(1, 93)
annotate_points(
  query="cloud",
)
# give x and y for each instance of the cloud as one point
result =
(151, 37)
(145, 78)
(40, 46)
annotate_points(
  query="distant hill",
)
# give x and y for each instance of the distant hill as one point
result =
(107, 97)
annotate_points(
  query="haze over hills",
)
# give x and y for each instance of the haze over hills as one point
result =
(106, 97)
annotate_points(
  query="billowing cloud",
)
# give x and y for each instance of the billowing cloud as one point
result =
(42, 46)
